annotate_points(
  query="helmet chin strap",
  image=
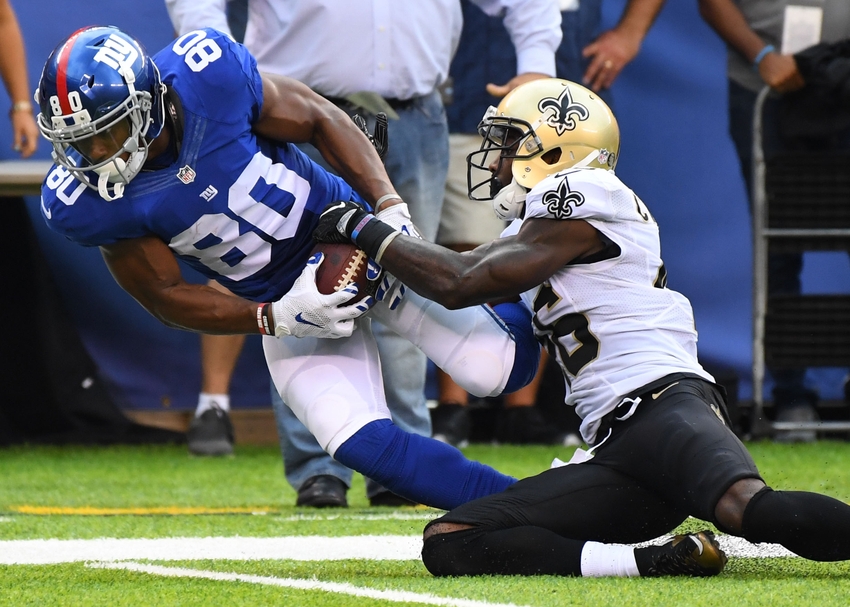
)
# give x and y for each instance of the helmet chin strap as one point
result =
(586, 160)
(104, 181)
(510, 201)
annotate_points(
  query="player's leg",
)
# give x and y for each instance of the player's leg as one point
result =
(486, 350)
(678, 445)
(561, 522)
(334, 387)
(812, 525)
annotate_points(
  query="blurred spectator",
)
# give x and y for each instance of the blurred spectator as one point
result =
(393, 62)
(13, 70)
(762, 37)
(485, 55)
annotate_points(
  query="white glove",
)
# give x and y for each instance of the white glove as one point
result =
(304, 312)
(397, 216)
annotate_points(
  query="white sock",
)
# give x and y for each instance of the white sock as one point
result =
(205, 402)
(602, 560)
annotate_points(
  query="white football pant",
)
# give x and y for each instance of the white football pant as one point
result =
(334, 386)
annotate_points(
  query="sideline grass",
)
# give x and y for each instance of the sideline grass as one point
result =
(123, 477)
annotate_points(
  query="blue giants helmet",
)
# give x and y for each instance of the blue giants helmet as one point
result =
(100, 81)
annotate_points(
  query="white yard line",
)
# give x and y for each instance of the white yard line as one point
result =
(396, 596)
(300, 548)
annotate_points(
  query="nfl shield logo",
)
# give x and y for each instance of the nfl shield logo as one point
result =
(186, 174)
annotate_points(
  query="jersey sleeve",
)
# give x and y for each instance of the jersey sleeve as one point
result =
(216, 77)
(575, 194)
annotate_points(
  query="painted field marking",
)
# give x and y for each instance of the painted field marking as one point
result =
(417, 514)
(298, 548)
(396, 596)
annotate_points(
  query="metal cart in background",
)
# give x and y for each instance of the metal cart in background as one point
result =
(801, 202)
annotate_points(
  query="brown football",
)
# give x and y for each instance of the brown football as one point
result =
(343, 264)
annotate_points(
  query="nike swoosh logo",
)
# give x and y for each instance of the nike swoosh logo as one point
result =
(341, 205)
(299, 318)
(47, 212)
(660, 392)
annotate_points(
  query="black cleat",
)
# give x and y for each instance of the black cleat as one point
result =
(211, 433)
(528, 426)
(695, 554)
(322, 491)
(452, 424)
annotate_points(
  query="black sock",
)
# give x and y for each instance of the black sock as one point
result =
(515, 551)
(811, 525)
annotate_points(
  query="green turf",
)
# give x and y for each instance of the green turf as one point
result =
(118, 477)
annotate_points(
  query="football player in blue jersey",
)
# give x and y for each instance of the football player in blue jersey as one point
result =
(188, 154)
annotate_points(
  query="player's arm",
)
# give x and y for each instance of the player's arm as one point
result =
(502, 268)
(293, 112)
(147, 269)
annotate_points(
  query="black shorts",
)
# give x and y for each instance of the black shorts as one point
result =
(674, 457)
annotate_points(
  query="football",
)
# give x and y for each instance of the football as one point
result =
(343, 264)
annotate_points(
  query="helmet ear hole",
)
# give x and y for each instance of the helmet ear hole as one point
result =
(552, 156)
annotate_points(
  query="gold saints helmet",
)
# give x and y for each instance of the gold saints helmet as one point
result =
(545, 126)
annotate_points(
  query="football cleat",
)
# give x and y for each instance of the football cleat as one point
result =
(695, 554)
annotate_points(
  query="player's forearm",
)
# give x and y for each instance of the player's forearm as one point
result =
(202, 309)
(352, 156)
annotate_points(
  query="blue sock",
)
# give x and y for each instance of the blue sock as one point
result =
(417, 467)
(527, 358)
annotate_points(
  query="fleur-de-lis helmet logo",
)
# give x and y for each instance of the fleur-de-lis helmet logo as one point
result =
(562, 112)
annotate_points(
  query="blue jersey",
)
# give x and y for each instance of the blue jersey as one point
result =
(236, 207)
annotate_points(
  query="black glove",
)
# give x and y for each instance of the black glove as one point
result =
(380, 137)
(329, 230)
(345, 221)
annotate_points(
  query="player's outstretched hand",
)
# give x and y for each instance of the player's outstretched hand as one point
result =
(334, 221)
(304, 312)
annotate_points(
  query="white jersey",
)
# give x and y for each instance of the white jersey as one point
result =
(609, 320)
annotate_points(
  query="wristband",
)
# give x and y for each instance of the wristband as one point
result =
(373, 236)
(263, 319)
(20, 106)
(762, 53)
(384, 198)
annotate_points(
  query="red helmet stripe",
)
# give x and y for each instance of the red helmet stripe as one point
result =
(61, 71)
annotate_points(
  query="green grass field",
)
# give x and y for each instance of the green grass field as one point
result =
(153, 493)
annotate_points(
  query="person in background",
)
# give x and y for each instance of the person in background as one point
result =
(753, 32)
(13, 70)
(586, 54)
(394, 64)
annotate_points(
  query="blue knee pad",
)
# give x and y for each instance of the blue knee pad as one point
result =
(527, 358)
(418, 467)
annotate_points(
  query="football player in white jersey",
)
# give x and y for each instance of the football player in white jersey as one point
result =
(583, 253)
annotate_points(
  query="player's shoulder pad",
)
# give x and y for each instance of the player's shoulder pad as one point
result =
(77, 212)
(573, 194)
(214, 75)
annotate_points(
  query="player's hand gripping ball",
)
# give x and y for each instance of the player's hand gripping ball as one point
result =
(345, 264)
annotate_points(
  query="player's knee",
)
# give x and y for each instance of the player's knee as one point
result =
(479, 372)
(443, 551)
(730, 509)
